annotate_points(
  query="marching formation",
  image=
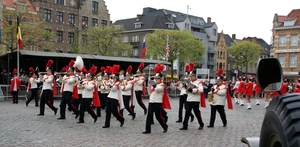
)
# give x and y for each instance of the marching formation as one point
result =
(114, 90)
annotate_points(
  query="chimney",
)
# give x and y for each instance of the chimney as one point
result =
(233, 36)
(138, 17)
(208, 19)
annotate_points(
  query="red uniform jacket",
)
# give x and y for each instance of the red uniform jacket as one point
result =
(283, 88)
(241, 88)
(249, 89)
(14, 81)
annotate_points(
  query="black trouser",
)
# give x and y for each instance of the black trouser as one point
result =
(77, 101)
(15, 96)
(46, 99)
(86, 105)
(158, 110)
(34, 94)
(103, 99)
(182, 101)
(112, 108)
(221, 111)
(66, 99)
(138, 95)
(189, 107)
(126, 100)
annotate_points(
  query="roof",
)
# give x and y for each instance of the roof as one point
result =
(86, 56)
(208, 25)
(260, 42)
(148, 22)
(12, 3)
(228, 39)
(295, 14)
(281, 18)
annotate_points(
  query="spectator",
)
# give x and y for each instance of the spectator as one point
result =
(4, 77)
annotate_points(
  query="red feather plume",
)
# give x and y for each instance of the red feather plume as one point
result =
(129, 69)
(187, 68)
(102, 69)
(141, 66)
(31, 70)
(108, 69)
(64, 69)
(158, 68)
(192, 66)
(84, 69)
(220, 72)
(115, 69)
(71, 64)
(93, 70)
(49, 63)
(15, 71)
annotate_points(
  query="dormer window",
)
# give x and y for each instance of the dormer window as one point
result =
(138, 25)
(289, 23)
(170, 25)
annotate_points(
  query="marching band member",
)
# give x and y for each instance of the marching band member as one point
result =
(67, 92)
(284, 86)
(127, 92)
(105, 85)
(98, 79)
(257, 93)
(15, 85)
(32, 86)
(82, 78)
(218, 102)
(158, 101)
(194, 98)
(89, 95)
(241, 91)
(249, 92)
(114, 99)
(183, 96)
(140, 86)
(235, 91)
(48, 89)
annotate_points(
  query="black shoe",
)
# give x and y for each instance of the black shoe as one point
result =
(40, 115)
(133, 116)
(36, 105)
(122, 123)
(183, 128)
(145, 111)
(105, 126)
(77, 114)
(55, 111)
(209, 126)
(201, 127)
(147, 132)
(165, 129)
(224, 125)
(80, 122)
(69, 109)
(152, 123)
(26, 103)
(179, 121)
(60, 118)
(95, 119)
(192, 118)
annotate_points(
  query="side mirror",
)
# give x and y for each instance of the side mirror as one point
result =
(269, 74)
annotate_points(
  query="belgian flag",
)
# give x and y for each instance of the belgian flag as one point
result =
(19, 34)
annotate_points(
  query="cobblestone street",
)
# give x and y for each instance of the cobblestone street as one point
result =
(19, 126)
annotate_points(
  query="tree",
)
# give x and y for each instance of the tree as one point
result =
(75, 45)
(106, 41)
(245, 53)
(184, 46)
(32, 30)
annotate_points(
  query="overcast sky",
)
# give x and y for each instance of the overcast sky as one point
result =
(244, 18)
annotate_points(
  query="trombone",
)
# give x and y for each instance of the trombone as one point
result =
(60, 73)
(42, 73)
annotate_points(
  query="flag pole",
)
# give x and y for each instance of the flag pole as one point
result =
(167, 66)
(18, 60)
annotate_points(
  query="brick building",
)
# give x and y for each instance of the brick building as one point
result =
(285, 45)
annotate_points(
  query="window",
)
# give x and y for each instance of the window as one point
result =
(125, 53)
(71, 37)
(59, 17)
(60, 1)
(47, 15)
(94, 22)
(71, 18)
(125, 39)
(85, 21)
(21, 7)
(171, 26)
(293, 61)
(281, 60)
(187, 26)
(135, 38)
(294, 40)
(59, 36)
(215, 32)
(289, 23)
(104, 23)
(135, 52)
(95, 6)
(137, 25)
(84, 39)
(282, 40)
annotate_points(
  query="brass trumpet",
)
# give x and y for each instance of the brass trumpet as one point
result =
(60, 73)
(42, 73)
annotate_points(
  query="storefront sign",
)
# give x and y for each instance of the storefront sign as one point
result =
(287, 51)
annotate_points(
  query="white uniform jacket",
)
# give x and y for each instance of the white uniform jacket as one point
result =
(105, 88)
(88, 89)
(182, 89)
(139, 83)
(157, 93)
(194, 96)
(79, 86)
(237, 83)
(69, 83)
(33, 83)
(115, 91)
(220, 95)
(126, 89)
(47, 82)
